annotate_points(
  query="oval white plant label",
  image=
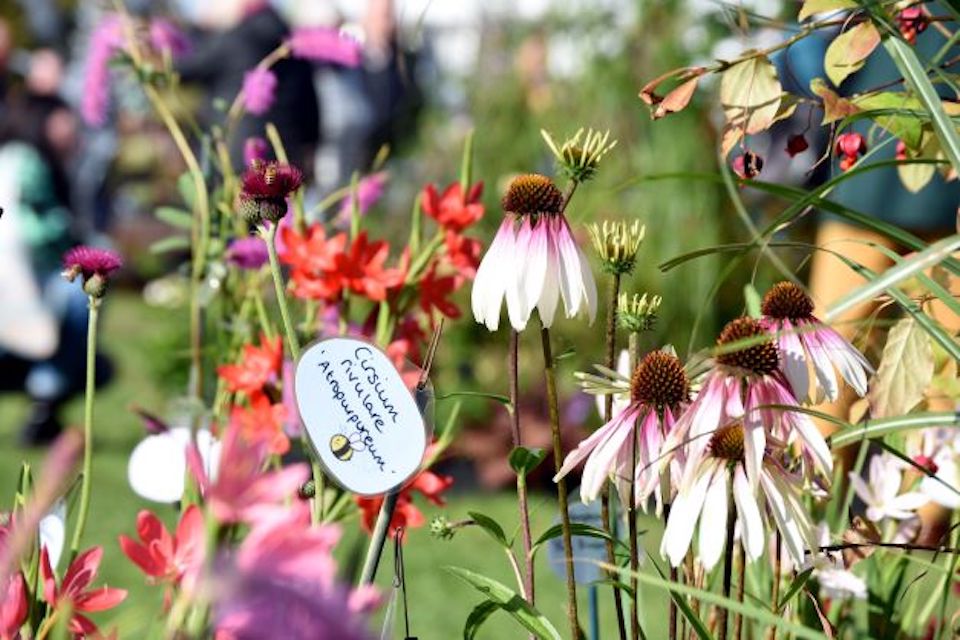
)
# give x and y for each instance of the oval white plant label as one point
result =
(362, 420)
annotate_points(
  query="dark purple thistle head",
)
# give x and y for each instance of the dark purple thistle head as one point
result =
(265, 188)
(248, 253)
(94, 265)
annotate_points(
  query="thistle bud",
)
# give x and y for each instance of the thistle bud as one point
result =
(578, 157)
(638, 313)
(617, 244)
(442, 528)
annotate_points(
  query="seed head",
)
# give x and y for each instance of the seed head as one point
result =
(660, 381)
(759, 358)
(533, 194)
(617, 244)
(726, 442)
(787, 301)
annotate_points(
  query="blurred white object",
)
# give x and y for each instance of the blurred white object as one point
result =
(53, 531)
(158, 464)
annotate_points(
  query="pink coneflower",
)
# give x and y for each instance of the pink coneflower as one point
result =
(248, 253)
(658, 391)
(94, 265)
(265, 187)
(369, 190)
(535, 265)
(255, 149)
(703, 496)
(105, 40)
(259, 90)
(742, 382)
(804, 341)
(322, 44)
(166, 36)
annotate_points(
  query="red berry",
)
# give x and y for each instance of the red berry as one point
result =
(796, 143)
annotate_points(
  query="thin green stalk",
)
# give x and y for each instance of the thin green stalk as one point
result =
(741, 578)
(84, 507)
(554, 410)
(635, 631)
(512, 367)
(320, 481)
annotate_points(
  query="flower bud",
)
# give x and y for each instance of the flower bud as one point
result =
(638, 313)
(578, 157)
(617, 244)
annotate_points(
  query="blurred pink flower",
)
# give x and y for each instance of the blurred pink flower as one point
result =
(91, 261)
(13, 606)
(259, 90)
(322, 44)
(73, 590)
(105, 40)
(254, 148)
(243, 492)
(169, 558)
(166, 36)
(369, 190)
(248, 253)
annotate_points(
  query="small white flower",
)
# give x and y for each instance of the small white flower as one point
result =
(52, 530)
(158, 465)
(882, 494)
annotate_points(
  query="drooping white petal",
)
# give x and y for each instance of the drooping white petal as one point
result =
(513, 272)
(789, 530)
(814, 443)
(532, 247)
(489, 285)
(603, 458)
(794, 361)
(906, 503)
(550, 294)
(53, 530)
(752, 533)
(822, 366)
(571, 287)
(684, 514)
(713, 520)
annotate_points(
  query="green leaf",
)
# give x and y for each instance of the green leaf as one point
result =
(524, 460)
(798, 583)
(905, 370)
(907, 127)
(493, 529)
(848, 51)
(187, 188)
(752, 299)
(576, 529)
(509, 601)
(477, 617)
(810, 7)
(917, 175)
(174, 217)
(475, 394)
(699, 628)
(874, 429)
(916, 76)
(169, 244)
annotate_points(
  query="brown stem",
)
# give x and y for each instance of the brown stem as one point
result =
(635, 631)
(528, 579)
(775, 590)
(741, 574)
(727, 564)
(611, 359)
(554, 410)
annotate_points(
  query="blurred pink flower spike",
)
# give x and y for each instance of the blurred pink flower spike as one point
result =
(369, 191)
(14, 607)
(157, 464)
(322, 44)
(240, 491)
(166, 36)
(106, 39)
(259, 91)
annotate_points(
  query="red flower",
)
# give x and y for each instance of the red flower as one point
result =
(73, 590)
(850, 146)
(260, 366)
(451, 210)
(314, 259)
(434, 292)
(263, 423)
(13, 606)
(168, 558)
(406, 515)
(362, 269)
(912, 21)
(463, 253)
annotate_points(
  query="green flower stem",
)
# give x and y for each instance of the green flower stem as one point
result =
(513, 366)
(84, 508)
(293, 342)
(727, 561)
(554, 409)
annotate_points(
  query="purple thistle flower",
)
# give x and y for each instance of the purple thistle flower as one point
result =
(106, 39)
(322, 44)
(248, 253)
(259, 90)
(369, 190)
(254, 148)
(91, 261)
(166, 36)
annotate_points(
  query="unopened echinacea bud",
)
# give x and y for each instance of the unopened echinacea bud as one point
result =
(638, 313)
(617, 244)
(578, 157)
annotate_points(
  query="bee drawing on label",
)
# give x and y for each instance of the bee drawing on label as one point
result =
(343, 446)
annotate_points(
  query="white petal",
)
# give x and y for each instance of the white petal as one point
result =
(751, 524)
(684, 514)
(157, 467)
(822, 366)
(713, 522)
(53, 530)
(792, 538)
(908, 502)
(549, 296)
(794, 362)
(815, 443)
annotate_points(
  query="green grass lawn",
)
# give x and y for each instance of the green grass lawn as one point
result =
(138, 338)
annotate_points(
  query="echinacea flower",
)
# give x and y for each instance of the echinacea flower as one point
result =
(454, 209)
(659, 389)
(881, 493)
(241, 490)
(533, 266)
(94, 265)
(13, 606)
(322, 44)
(580, 155)
(265, 187)
(259, 366)
(710, 477)
(249, 253)
(74, 592)
(617, 244)
(806, 343)
(259, 90)
(745, 379)
(105, 41)
(164, 557)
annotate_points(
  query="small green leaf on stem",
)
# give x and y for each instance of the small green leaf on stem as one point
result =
(488, 524)
(524, 460)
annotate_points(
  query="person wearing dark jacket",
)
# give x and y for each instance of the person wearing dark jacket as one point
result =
(220, 63)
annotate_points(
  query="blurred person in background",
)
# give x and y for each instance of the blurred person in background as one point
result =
(6, 50)
(242, 33)
(45, 357)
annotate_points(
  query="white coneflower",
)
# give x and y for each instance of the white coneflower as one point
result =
(803, 340)
(703, 498)
(533, 261)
